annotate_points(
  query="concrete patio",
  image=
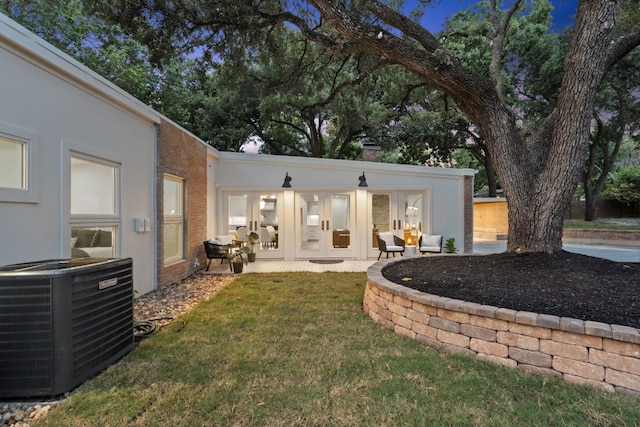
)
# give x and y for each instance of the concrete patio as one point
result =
(620, 254)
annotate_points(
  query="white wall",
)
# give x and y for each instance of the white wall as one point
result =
(445, 187)
(46, 96)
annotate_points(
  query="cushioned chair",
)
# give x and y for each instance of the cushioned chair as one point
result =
(241, 236)
(215, 250)
(389, 243)
(272, 233)
(265, 238)
(430, 243)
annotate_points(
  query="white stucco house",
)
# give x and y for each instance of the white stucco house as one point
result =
(88, 170)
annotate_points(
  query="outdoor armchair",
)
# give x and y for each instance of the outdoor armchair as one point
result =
(430, 243)
(215, 250)
(389, 243)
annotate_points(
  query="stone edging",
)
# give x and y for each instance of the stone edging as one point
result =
(585, 352)
(602, 237)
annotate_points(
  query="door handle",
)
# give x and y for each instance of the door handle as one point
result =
(255, 225)
(322, 224)
(399, 224)
(394, 224)
(328, 225)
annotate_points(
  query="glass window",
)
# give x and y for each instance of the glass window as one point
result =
(19, 166)
(94, 212)
(173, 218)
(13, 172)
(93, 187)
(94, 242)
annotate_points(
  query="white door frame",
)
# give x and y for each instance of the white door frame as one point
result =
(316, 235)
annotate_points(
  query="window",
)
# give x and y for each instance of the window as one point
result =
(93, 187)
(12, 164)
(173, 219)
(94, 209)
(18, 165)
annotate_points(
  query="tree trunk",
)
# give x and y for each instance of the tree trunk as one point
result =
(590, 206)
(492, 182)
(546, 172)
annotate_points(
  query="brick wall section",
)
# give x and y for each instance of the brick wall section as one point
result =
(181, 154)
(584, 352)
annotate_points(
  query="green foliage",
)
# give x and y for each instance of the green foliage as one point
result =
(450, 245)
(624, 186)
(252, 238)
(237, 254)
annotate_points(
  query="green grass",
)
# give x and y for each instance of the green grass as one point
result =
(599, 224)
(296, 349)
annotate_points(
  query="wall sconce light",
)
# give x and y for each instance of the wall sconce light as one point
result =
(287, 181)
(363, 180)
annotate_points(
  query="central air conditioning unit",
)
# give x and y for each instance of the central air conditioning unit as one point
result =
(62, 322)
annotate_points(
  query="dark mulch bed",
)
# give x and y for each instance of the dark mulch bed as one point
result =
(564, 284)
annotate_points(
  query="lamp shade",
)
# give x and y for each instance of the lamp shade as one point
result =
(412, 211)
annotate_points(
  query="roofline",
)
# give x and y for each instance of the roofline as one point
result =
(313, 163)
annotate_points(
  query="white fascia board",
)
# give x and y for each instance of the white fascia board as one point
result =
(355, 165)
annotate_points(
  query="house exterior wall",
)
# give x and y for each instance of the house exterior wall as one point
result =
(183, 155)
(450, 211)
(46, 98)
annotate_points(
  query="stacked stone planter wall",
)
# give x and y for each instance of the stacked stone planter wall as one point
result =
(598, 354)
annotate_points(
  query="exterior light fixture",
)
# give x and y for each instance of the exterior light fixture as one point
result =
(363, 180)
(287, 181)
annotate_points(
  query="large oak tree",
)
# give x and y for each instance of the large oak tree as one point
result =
(538, 162)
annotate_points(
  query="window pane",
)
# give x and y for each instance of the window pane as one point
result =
(12, 161)
(173, 220)
(93, 188)
(172, 241)
(95, 242)
(237, 212)
(172, 196)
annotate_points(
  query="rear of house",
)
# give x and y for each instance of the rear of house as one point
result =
(86, 170)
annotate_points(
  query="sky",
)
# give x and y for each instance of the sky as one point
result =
(434, 17)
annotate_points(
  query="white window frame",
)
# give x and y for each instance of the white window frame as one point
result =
(30, 191)
(174, 219)
(106, 220)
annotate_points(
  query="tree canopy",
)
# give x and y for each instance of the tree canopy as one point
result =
(537, 151)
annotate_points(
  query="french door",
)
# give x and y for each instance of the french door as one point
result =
(325, 224)
(258, 213)
(402, 213)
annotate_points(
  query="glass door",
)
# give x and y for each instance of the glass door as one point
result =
(256, 213)
(325, 225)
(396, 212)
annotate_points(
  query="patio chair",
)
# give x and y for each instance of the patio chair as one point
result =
(265, 238)
(430, 243)
(241, 236)
(389, 243)
(274, 236)
(215, 250)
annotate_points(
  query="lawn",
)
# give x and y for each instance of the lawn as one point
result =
(296, 349)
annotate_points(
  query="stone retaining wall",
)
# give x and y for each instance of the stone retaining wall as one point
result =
(605, 237)
(598, 354)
